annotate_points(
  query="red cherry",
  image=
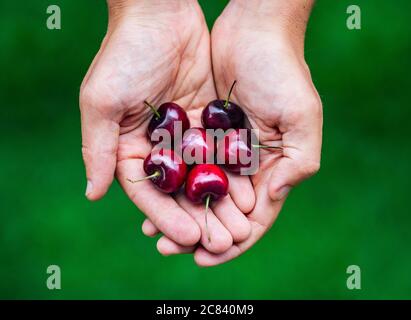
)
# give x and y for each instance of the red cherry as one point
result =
(235, 150)
(206, 180)
(165, 169)
(199, 145)
(165, 117)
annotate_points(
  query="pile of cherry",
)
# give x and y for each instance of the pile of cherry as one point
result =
(205, 181)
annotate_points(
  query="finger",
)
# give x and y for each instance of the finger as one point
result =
(216, 238)
(242, 192)
(301, 151)
(160, 208)
(99, 149)
(168, 247)
(232, 218)
(204, 258)
(262, 217)
(149, 229)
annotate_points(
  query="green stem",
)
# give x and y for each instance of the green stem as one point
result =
(154, 175)
(207, 205)
(152, 109)
(262, 146)
(229, 94)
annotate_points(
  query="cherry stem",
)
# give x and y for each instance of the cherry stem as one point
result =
(152, 108)
(154, 175)
(229, 94)
(207, 205)
(262, 146)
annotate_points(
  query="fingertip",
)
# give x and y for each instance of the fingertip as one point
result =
(167, 247)
(246, 205)
(219, 242)
(242, 231)
(204, 258)
(99, 151)
(162, 247)
(232, 218)
(94, 191)
(188, 234)
(242, 192)
(149, 229)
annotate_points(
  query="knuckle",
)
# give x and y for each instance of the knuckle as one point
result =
(86, 96)
(98, 98)
(308, 105)
(88, 152)
(315, 105)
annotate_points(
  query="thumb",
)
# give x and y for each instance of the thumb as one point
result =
(301, 154)
(99, 149)
(287, 173)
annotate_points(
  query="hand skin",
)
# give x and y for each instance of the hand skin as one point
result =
(261, 44)
(152, 51)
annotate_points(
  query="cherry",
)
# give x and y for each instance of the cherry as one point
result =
(165, 169)
(199, 145)
(206, 182)
(165, 117)
(236, 146)
(223, 114)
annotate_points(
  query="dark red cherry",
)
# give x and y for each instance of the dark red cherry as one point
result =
(223, 114)
(165, 117)
(165, 169)
(197, 146)
(206, 181)
(236, 151)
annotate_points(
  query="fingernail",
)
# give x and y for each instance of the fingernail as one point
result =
(89, 187)
(283, 192)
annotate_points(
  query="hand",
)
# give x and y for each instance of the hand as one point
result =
(264, 53)
(159, 51)
(277, 94)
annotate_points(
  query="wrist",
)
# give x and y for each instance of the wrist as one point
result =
(275, 8)
(284, 20)
(291, 15)
(123, 8)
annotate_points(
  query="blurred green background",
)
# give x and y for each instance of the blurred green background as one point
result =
(355, 211)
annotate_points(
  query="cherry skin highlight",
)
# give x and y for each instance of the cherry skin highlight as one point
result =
(206, 181)
(165, 117)
(198, 145)
(166, 170)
